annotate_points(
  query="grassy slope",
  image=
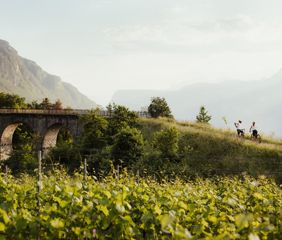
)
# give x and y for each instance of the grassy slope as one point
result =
(217, 151)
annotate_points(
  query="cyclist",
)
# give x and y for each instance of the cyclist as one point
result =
(254, 131)
(240, 130)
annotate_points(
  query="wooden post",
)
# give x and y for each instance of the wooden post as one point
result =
(39, 171)
(117, 171)
(85, 168)
(39, 188)
(138, 176)
(6, 172)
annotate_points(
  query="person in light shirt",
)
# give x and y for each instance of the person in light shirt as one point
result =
(240, 130)
(253, 130)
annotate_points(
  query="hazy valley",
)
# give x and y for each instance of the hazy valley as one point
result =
(246, 100)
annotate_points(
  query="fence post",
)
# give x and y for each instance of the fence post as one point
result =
(6, 172)
(85, 167)
(39, 188)
(39, 171)
(138, 175)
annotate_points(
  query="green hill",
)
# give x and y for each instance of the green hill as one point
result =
(207, 151)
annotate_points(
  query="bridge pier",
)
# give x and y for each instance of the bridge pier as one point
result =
(5, 151)
(6, 140)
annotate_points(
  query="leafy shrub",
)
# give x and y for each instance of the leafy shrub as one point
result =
(128, 146)
(120, 117)
(166, 141)
(12, 101)
(95, 136)
(65, 154)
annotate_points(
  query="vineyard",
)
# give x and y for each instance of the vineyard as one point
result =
(126, 207)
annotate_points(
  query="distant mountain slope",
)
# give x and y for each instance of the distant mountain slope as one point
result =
(258, 101)
(25, 78)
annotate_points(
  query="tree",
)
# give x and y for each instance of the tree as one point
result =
(121, 117)
(34, 105)
(58, 105)
(95, 132)
(159, 108)
(166, 141)
(65, 154)
(12, 101)
(46, 104)
(203, 116)
(64, 136)
(128, 146)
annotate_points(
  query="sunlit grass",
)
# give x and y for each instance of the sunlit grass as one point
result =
(268, 142)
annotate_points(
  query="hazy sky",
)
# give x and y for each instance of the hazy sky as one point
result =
(101, 46)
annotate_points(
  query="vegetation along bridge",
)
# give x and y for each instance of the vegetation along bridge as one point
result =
(45, 124)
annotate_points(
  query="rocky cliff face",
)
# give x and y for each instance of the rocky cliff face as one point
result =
(25, 78)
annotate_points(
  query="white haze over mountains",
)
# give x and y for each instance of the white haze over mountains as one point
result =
(101, 46)
(258, 101)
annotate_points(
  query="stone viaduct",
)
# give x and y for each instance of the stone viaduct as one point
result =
(45, 124)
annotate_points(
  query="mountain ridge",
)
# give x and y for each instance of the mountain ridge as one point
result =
(19, 75)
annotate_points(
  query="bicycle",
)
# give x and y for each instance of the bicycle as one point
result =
(241, 133)
(256, 138)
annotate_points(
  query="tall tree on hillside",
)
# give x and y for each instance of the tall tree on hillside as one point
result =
(159, 108)
(203, 116)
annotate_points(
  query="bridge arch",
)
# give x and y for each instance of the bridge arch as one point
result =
(50, 136)
(6, 139)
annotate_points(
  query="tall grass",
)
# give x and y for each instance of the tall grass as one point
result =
(217, 151)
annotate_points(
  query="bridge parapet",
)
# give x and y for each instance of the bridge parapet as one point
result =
(74, 112)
